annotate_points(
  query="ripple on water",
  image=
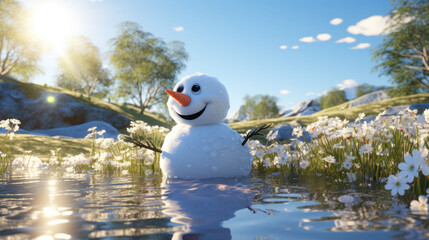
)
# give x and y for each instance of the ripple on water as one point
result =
(97, 206)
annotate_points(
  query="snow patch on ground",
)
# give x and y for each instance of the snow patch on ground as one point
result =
(369, 98)
(303, 108)
(236, 117)
(76, 131)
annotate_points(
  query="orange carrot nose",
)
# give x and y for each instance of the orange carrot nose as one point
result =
(181, 98)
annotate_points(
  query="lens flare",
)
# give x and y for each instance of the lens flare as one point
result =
(50, 99)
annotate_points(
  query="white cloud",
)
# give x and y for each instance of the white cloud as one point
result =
(347, 83)
(307, 39)
(323, 37)
(346, 40)
(178, 29)
(371, 26)
(284, 92)
(295, 47)
(283, 47)
(361, 46)
(336, 21)
(375, 25)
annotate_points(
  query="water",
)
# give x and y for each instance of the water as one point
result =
(260, 207)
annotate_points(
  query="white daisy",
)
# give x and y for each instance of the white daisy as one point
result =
(304, 164)
(410, 168)
(329, 159)
(297, 131)
(397, 185)
(367, 148)
(347, 164)
(420, 206)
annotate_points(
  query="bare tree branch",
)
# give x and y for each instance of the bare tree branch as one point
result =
(414, 67)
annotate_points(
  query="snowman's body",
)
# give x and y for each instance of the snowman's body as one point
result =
(205, 152)
(201, 146)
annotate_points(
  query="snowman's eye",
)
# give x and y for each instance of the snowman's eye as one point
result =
(180, 89)
(196, 89)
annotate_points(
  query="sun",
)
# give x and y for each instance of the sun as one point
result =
(52, 23)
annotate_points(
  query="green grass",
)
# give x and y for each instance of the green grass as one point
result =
(41, 145)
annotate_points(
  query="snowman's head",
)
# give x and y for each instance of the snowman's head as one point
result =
(198, 100)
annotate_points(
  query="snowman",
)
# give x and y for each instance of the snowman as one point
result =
(201, 145)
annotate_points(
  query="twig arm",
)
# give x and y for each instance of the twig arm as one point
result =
(255, 132)
(145, 144)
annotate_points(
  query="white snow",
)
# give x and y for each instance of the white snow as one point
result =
(77, 131)
(306, 107)
(235, 116)
(369, 98)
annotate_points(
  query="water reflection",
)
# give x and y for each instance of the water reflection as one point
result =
(201, 206)
(97, 206)
(80, 207)
(36, 208)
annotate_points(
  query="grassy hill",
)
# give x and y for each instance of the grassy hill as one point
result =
(342, 111)
(32, 90)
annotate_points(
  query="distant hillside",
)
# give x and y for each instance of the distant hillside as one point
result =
(342, 111)
(25, 93)
(306, 107)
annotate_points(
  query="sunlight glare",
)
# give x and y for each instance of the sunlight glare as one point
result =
(62, 236)
(52, 181)
(58, 221)
(44, 237)
(51, 99)
(50, 212)
(53, 24)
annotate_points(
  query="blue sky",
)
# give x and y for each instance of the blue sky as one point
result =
(288, 49)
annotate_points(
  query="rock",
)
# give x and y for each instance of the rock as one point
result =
(306, 107)
(38, 113)
(420, 107)
(284, 132)
(369, 98)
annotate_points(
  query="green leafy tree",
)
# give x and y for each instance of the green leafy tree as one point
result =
(145, 65)
(364, 89)
(404, 54)
(259, 107)
(81, 69)
(248, 106)
(333, 98)
(19, 54)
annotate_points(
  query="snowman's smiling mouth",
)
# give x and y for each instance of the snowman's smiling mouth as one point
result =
(193, 116)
